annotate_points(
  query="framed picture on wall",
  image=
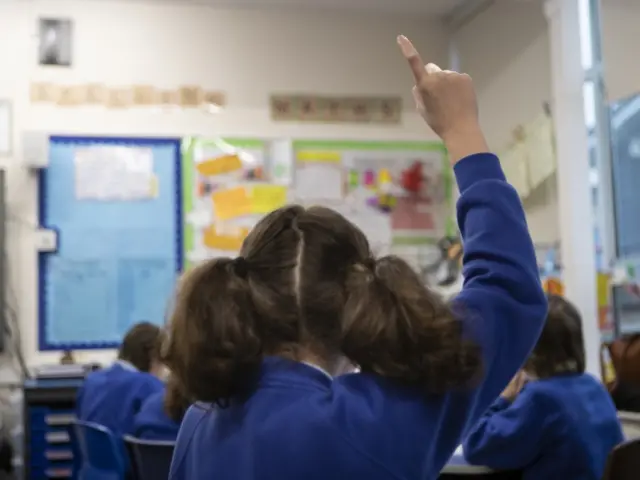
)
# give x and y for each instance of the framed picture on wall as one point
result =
(56, 42)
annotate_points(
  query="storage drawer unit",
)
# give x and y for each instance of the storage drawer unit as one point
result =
(48, 438)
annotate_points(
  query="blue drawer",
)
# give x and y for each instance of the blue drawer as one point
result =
(47, 473)
(44, 418)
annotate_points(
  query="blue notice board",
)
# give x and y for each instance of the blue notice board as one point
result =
(115, 204)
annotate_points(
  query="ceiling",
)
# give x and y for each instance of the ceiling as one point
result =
(439, 8)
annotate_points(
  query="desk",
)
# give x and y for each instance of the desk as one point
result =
(458, 468)
(48, 414)
(630, 424)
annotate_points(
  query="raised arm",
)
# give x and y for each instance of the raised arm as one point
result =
(502, 303)
(501, 309)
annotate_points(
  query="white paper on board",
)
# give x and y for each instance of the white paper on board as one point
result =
(111, 173)
(199, 218)
(319, 181)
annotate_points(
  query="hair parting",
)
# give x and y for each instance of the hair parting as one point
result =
(307, 283)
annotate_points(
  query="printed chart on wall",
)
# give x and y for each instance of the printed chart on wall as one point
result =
(115, 204)
(398, 193)
(227, 188)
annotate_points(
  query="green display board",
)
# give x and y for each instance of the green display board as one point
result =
(399, 193)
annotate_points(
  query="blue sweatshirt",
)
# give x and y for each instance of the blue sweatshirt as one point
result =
(559, 428)
(152, 423)
(300, 423)
(111, 397)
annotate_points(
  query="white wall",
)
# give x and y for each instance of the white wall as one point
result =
(511, 67)
(247, 54)
(621, 36)
(506, 51)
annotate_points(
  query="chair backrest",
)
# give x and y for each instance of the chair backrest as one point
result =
(625, 355)
(151, 459)
(624, 462)
(102, 453)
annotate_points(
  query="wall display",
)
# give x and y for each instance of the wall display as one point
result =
(322, 109)
(227, 188)
(606, 322)
(550, 268)
(55, 42)
(398, 193)
(119, 97)
(530, 158)
(115, 204)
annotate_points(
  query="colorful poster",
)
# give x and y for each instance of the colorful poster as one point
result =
(225, 192)
(398, 193)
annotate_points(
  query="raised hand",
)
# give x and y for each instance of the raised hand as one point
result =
(448, 103)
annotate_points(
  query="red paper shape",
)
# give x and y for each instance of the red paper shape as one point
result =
(413, 178)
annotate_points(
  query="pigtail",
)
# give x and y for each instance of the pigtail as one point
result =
(214, 348)
(394, 326)
(175, 401)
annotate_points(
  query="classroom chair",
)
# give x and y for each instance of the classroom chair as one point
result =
(624, 461)
(151, 460)
(102, 454)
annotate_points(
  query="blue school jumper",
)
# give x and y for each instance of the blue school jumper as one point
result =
(152, 423)
(111, 397)
(558, 428)
(301, 424)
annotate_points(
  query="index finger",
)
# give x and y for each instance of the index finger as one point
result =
(413, 57)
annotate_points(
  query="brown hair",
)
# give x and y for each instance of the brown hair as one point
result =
(141, 345)
(176, 402)
(306, 280)
(560, 348)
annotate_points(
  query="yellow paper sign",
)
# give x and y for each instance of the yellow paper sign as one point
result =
(229, 241)
(219, 165)
(603, 290)
(267, 198)
(231, 203)
(318, 156)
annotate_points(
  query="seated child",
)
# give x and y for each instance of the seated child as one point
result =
(553, 421)
(111, 397)
(161, 415)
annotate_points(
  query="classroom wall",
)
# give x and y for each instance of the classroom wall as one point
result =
(247, 54)
(511, 68)
(620, 37)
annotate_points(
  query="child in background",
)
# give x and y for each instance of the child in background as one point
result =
(553, 421)
(111, 397)
(261, 340)
(161, 414)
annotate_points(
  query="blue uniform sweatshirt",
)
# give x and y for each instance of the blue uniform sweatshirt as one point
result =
(111, 397)
(152, 422)
(558, 428)
(301, 424)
